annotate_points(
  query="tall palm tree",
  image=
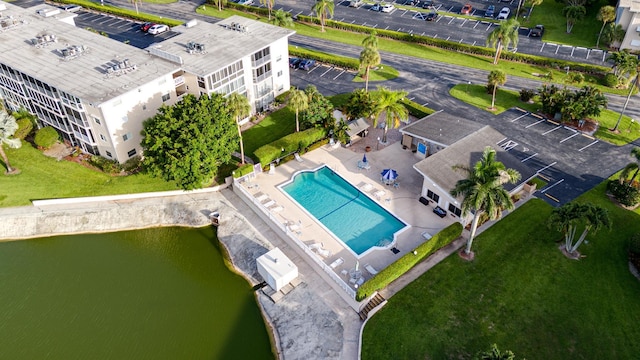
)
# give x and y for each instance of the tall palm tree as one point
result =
(8, 127)
(570, 216)
(633, 86)
(496, 78)
(269, 4)
(502, 36)
(323, 10)
(240, 108)
(482, 190)
(573, 13)
(389, 102)
(220, 4)
(371, 41)
(369, 57)
(135, 3)
(282, 18)
(606, 14)
(634, 166)
(534, 3)
(299, 101)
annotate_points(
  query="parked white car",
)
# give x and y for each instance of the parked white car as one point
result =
(504, 13)
(245, 2)
(158, 29)
(387, 8)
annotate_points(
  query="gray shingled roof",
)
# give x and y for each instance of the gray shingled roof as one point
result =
(441, 128)
(438, 167)
(84, 76)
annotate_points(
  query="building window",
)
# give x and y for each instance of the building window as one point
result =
(126, 136)
(433, 196)
(455, 210)
(96, 120)
(166, 97)
(144, 107)
(132, 152)
(279, 73)
(103, 138)
(108, 154)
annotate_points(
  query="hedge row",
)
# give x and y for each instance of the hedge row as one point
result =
(408, 261)
(336, 60)
(246, 8)
(454, 46)
(291, 143)
(243, 170)
(131, 14)
(416, 109)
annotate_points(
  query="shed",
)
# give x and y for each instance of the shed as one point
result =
(276, 269)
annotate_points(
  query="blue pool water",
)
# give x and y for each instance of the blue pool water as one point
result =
(353, 217)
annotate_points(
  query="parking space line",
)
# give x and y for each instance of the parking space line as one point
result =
(588, 136)
(546, 167)
(342, 72)
(425, 104)
(543, 44)
(463, 22)
(317, 66)
(488, 27)
(550, 187)
(554, 129)
(569, 137)
(331, 68)
(477, 23)
(450, 21)
(522, 110)
(535, 123)
(552, 198)
(584, 147)
(528, 157)
(411, 98)
(518, 118)
(570, 129)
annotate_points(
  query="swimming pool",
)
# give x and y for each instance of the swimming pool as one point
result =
(346, 212)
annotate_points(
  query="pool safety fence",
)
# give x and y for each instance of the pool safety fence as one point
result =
(239, 188)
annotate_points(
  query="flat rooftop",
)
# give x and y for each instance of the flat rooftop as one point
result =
(85, 75)
(223, 44)
(442, 128)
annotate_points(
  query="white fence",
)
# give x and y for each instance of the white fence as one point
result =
(268, 216)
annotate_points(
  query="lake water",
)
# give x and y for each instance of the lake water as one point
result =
(161, 293)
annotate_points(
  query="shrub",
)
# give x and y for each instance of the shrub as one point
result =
(106, 165)
(527, 94)
(282, 98)
(133, 164)
(291, 143)
(408, 261)
(626, 194)
(576, 78)
(611, 80)
(416, 109)
(634, 250)
(46, 137)
(243, 170)
(25, 126)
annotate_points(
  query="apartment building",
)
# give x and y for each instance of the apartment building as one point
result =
(97, 91)
(628, 17)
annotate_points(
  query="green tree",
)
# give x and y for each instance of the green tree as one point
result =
(626, 102)
(631, 167)
(361, 104)
(495, 354)
(319, 113)
(323, 10)
(220, 4)
(371, 41)
(240, 108)
(606, 14)
(482, 190)
(613, 34)
(496, 78)
(187, 142)
(299, 101)
(584, 102)
(269, 4)
(389, 103)
(573, 13)
(502, 36)
(282, 18)
(570, 217)
(369, 57)
(8, 127)
(623, 63)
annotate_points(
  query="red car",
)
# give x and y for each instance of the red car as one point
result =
(466, 10)
(145, 27)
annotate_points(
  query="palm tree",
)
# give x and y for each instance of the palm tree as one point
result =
(220, 4)
(371, 41)
(482, 190)
(502, 36)
(369, 57)
(635, 84)
(135, 3)
(8, 127)
(534, 3)
(613, 34)
(496, 78)
(573, 13)
(634, 166)
(389, 103)
(323, 9)
(606, 14)
(282, 18)
(240, 108)
(496, 354)
(269, 4)
(569, 217)
(299, 100)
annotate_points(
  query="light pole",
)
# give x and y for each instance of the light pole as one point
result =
(630, 125)
(378, 143)
(468, 84)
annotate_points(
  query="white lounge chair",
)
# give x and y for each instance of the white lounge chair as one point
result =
(260, 196)
(379, 194)
(324, 253)
(315, 246)
(370, 269)
(367, 187)
(276, 208)
(298, 158)
(268, 203)
(337, 262)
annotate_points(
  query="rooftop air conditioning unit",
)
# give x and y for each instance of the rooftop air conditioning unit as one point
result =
(191, 23)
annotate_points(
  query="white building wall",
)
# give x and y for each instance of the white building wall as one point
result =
(280, 66)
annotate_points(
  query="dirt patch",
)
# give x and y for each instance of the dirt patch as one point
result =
(58, 151)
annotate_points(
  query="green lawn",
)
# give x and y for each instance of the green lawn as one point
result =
(380, 73)
(521, 293)
(45, 178)
(274, 126)
(584, 33)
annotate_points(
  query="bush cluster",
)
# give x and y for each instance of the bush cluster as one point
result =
(106, 165)
(527, 94)
(296, 142)
(626, 194)
(408, 261)
(243, 170)
(46, 137)
(416, 109)
(133, 164)
(335, 60)
(634, 250)
(25, 126)
(611, 80)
